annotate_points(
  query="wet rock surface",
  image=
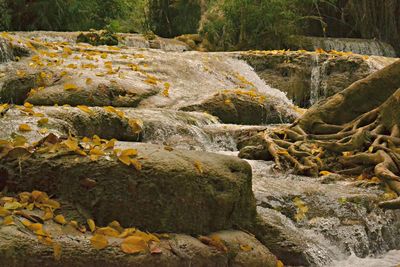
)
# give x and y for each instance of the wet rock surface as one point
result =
(307, 77)
(322, 219)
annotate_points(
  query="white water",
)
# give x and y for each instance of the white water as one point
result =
(390, 259)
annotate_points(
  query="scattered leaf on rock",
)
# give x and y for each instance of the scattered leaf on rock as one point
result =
(99, 241)
(133, 244)
(60, 219)
(24, 128)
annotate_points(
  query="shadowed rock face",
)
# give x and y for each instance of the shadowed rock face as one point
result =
(308, 77)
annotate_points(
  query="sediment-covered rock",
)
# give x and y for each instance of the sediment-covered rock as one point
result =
(20, 249)
(307, 77)
(244, 107)
(158, 192)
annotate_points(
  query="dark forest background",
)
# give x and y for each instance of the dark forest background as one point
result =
(224, 24)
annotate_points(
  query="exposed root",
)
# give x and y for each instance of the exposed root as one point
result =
(360, 146)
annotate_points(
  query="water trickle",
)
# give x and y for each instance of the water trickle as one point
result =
(318, 86)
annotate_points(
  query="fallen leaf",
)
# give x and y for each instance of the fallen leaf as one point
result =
(13, 205)
(8, 220)
(91, 224)
(246, 248)
(133, 244)
(42, 121)
(57, 251)
(199, 166)
(136, 164)
(70, 87)
(60, 219)
(107, 231)
(24, 128)
(99, 241)
(85, 109)
(4, 212)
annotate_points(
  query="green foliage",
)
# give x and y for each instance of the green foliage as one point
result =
(73, 15)
(256, 24)
(170, 18)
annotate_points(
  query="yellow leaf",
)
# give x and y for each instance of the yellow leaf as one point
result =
(57, 251)
(103, 55)
(198, 166)
(228, 102)
(60, 219)
(127, 232)
(133, 244)
(24, 128)
(47, 215)
(347, 153)
(136, 164)
(107, 231)
(13, 205)
(91, 224)
(28, 105)
(323, 173)
(43, 131)
(246, 248)
(371, 149)
(89, 81)
(99, 241)
(35, 227)
(96, 152)
(3, 107)
(4, 212)
(71, 143)
(42, 121)
(279, 264)
(70, 87)
(136, 125)
(26, 223)
(8, 220)
(21, 73)
(166, 89)
(129, 152)
(85, 109)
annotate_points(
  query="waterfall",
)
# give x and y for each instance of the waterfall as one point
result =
(318, 85)
(357, 46)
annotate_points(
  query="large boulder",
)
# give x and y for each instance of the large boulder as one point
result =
(20, 249)
(160, 193)
(245, 107)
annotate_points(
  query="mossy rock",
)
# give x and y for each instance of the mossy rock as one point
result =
(95, 38)
(243, 107)
(175, 191)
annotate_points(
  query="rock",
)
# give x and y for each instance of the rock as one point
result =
(307, 77)
(160, 197)
(80, 74)
(290, 244)
(338, 218)
(22, 249)
(98, 38)
(244, 107)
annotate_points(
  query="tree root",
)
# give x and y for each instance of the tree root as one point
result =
(364, 144)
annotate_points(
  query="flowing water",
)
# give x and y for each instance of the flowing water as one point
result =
(357, 46)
